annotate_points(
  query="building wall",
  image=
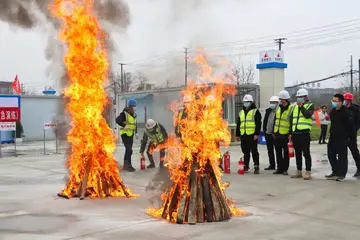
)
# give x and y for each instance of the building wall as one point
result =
(35, 110)
(271, 83)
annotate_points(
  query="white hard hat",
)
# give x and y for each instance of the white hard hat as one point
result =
(284, 94)
(210, 98)
(274, 99)
(187, 98)
(150, 123)
(248, 98)
(302, 92)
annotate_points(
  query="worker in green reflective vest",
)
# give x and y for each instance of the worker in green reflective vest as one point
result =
(248, 130)
(281, 133)
(187, 99)
(128, 129)
(155, 134)
(301, 124)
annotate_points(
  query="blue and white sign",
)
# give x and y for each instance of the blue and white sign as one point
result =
(271, 59)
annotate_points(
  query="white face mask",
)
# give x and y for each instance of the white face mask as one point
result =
(134, 108)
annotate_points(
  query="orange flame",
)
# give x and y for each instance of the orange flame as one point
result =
(202, 132)
(92, 140)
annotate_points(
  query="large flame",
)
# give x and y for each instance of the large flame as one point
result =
(202, 132)
(91, 161)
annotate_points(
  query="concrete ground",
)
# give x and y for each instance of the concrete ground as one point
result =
(279, 207)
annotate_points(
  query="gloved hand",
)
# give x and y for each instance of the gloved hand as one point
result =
(136, 136)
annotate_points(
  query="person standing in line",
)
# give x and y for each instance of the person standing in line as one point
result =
(281, 133)
(324, 121)
(182, 114)
(248, 130)
(340, 133)
(354, 113)
(155, 134)
(268, 129)
(301, 125)
(128, 128)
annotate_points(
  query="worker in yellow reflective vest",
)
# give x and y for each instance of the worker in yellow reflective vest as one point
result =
(182, 115)
(128, 129)
(248, 130)
(155, 134)
(281, 133)
(301, 124)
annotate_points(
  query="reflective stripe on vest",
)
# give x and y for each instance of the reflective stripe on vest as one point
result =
(130, 126)
(282, 121)
(156, 137)
(299, 121)
(247, 124)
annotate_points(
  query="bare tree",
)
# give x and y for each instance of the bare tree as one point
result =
(244, 74)
(140, 81)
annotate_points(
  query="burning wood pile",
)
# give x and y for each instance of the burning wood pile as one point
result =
(198, 194)
(92, 167)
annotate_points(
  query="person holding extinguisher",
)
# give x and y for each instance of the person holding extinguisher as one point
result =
(281, 133)
(354, 113)
(248, 129)
(301, 125)
(156, 134)
(324, 121)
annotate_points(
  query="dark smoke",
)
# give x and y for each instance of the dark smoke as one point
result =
(157, 185)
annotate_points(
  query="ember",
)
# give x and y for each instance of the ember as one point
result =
(92, 168)
(198, 194)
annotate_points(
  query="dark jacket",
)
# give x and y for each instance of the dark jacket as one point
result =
(257, 121)
(307, 114)
(266, 117)
(121, 119)
(354, 113)
(145, 137)
(341, 125)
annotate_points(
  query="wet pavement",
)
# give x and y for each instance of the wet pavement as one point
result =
(281, 208)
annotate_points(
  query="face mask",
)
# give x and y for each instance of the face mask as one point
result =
(246, 104)
(344, 103)
(301, 100)
(334, 104)
(134, 108)
(272, 105)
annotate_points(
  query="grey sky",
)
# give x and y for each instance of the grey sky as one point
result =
(159, 26)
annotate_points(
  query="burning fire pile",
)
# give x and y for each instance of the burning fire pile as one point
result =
(198, 194)
(92, 167)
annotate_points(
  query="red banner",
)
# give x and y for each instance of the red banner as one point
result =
(9, 114)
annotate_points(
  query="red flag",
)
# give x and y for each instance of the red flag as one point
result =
(16, 85)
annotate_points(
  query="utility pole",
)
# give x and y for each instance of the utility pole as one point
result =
(280, 41)
(122, 76)
(351, 75)
(186, 62)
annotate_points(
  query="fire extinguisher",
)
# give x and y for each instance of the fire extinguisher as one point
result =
(291, 150)
(227, 162)
(241, 166)
(142, 162)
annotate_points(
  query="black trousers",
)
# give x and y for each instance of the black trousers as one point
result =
(149, 151)
(282, 152)
(128, 143)
(249, 145)
(352, 145)
(270, 148)
(323, 133)
(301, 143)
(337, 154)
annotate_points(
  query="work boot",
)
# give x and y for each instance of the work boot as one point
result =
(256, 170)
(269, 168)
(307, 175)
(340, 179)
(285, 173)
(357, 174)
(131, 169)
(298, 174)
(331, 176)
(151, 165)
(246, 168)
(277, 172)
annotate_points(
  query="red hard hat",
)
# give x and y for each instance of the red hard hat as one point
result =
(348, 96)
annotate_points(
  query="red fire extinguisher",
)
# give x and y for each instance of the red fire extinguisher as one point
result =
(241, 166)
(291, 150)
(227, 162)
(142, 162)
